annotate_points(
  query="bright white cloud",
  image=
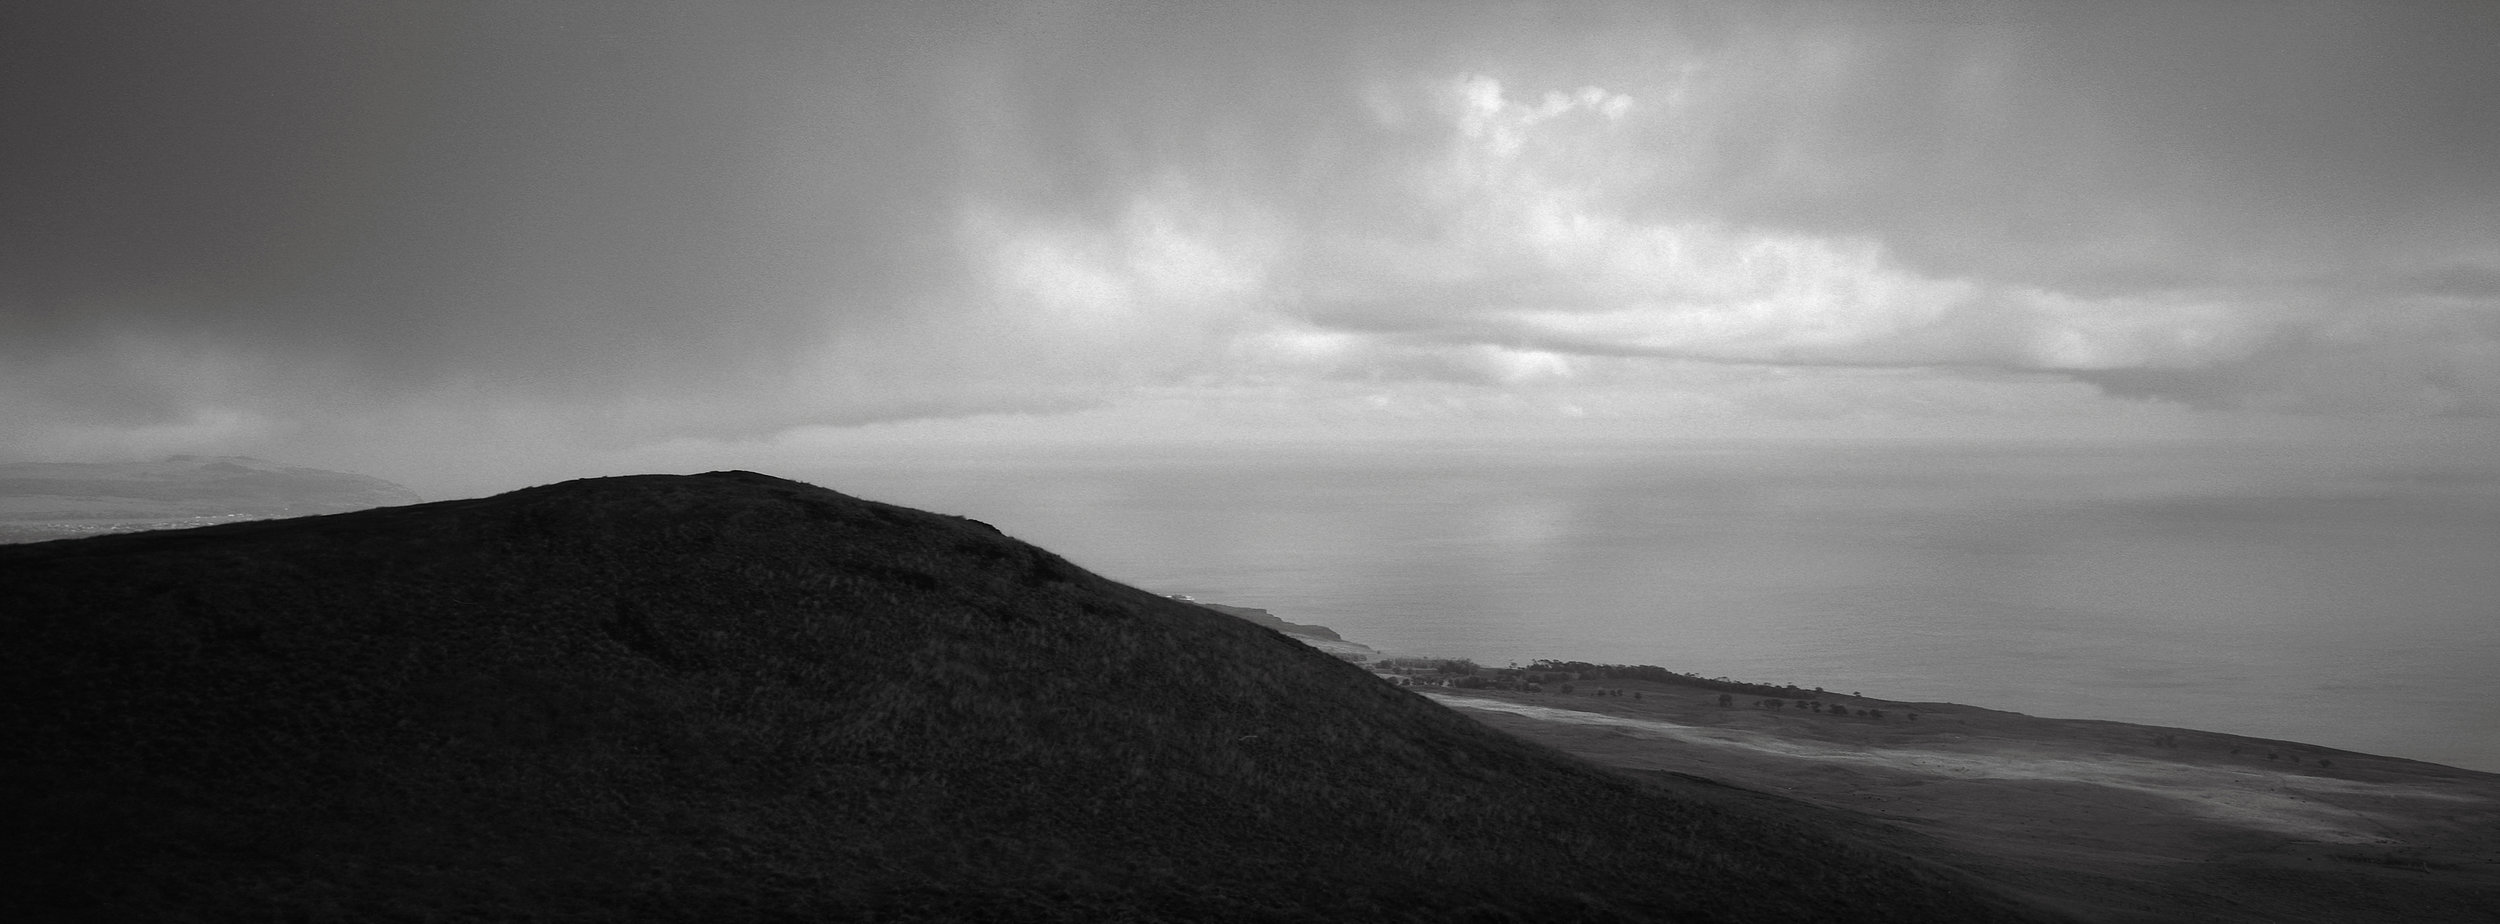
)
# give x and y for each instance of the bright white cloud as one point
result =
(1147, 297)
(2065, 332)
(1539, 248)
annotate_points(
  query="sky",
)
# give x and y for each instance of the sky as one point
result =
(469, 246)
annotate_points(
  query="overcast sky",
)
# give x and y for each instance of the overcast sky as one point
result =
(527, 239)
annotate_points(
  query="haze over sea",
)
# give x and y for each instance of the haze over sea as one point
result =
(2349, 599)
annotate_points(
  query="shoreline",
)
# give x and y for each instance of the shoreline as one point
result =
(2111, 820)
(1373, 657)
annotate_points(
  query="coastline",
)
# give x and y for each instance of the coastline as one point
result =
(2108, 820)
(1385, 665)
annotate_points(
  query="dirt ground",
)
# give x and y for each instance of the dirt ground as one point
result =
(2106, 820)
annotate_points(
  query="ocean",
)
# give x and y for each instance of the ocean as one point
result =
(2347, 597)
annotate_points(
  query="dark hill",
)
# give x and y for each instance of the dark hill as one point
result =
(731, 697)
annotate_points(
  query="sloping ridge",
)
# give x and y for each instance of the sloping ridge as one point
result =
(734, 697)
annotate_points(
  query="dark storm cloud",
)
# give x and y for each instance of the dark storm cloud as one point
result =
(556, 199)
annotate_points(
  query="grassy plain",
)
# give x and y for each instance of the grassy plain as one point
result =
(2108, 821)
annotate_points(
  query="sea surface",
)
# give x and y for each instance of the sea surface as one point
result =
(2346, 597)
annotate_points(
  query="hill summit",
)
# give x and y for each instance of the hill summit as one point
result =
(733, 697)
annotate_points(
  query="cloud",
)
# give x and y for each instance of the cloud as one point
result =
(2397, 360)
(542, 228)
(1508, 239)
(1144, 297)
(1532, 246)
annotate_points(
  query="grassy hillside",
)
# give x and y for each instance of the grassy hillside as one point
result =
(731, 697)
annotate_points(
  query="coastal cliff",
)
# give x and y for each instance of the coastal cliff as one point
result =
(1316, 636)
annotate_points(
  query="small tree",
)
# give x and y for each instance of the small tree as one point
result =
(1725, 699)
(1566, 688)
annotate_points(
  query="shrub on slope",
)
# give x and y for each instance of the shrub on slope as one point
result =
(732, 697)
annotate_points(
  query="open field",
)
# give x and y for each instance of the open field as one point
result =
(2107, 820)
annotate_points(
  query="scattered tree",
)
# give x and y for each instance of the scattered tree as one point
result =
(1725, 699)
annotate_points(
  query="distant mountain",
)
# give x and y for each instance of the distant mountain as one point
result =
(730, 697)
(53, 500)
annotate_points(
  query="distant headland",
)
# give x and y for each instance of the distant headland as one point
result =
(60, 500)
(1316, 636)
